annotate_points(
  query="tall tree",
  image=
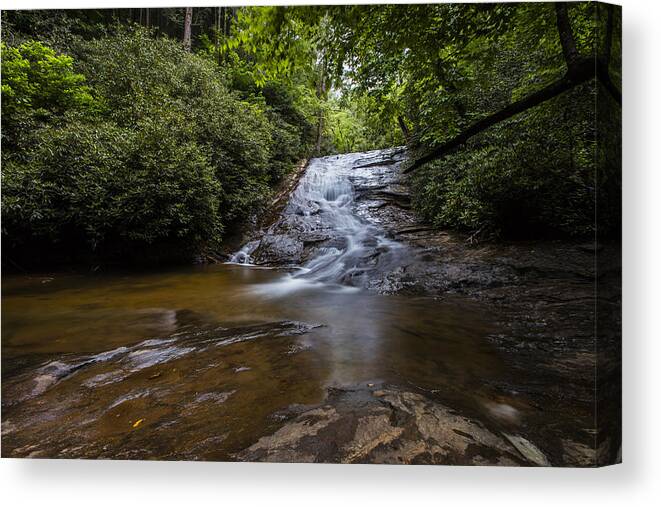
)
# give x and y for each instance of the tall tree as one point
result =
(188, 21)
(321, 95)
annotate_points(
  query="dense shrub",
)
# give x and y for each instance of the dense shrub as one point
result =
(38, 84)
(533, 176)
(293, 134)
(250, 143)
(87, 187)
(160, 163)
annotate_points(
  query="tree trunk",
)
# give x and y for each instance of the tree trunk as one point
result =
(321, 94)
(566, 35)
(404, 127)
(188, 20)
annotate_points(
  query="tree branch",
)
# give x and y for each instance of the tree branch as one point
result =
(608, 43)
(583, 72)
(405, 129)
(579, 70)
(566, 35)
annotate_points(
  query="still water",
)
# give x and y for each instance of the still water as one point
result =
(205, 357)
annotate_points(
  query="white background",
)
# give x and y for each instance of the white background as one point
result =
(636, 482)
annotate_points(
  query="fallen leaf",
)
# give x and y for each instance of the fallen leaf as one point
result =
(137, 423)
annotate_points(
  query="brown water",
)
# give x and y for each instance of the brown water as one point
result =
(196, 363)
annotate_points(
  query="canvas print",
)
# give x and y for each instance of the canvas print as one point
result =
(383, 234)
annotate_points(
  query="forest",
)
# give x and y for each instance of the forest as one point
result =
(338, 234)
(136, 135)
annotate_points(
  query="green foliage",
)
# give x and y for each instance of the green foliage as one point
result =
(89, 186)
(279, 45)
(119, 142)
(289, 47)
(143, 77)
(535, 175)
(38, 84)
(292, 135)
(350, 127)
(413, 59)
(35, 78)
(443, 67)
(173, 159)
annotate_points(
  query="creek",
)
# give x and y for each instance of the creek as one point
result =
(201, 362)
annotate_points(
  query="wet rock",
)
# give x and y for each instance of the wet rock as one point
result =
(577, 454)
(372, 431)
(393, 426)
(528, 450)
(310, 208)
(285, 444)
(314, 237)
(214, 397)
(297, 347)
(124, 361)
(279, 249)
(378, 163)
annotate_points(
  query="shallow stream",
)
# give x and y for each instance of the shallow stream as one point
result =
(200, 362)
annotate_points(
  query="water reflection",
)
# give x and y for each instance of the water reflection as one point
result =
(206, 356)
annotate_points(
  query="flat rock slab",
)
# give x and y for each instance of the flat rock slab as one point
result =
(389, 426)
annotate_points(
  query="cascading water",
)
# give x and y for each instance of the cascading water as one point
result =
(321, 230)
(242, 256)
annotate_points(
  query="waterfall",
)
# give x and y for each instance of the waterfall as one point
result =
(322, 231)
(243, 255)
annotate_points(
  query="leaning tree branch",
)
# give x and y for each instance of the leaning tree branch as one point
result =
(579, 70)
(405, 129)
(566, 34)
(608, 43)
(546, 93)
